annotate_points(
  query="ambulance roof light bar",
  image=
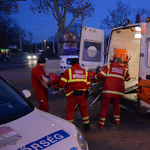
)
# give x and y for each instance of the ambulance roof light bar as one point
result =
(126, 22)
(138, 18)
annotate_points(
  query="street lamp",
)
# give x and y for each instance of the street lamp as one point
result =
(44, 45)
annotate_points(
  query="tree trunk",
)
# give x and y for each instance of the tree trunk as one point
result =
(59, 41)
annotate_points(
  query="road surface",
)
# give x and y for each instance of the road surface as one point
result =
(132, 134)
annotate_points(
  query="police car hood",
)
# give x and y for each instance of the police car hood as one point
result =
(39, 130)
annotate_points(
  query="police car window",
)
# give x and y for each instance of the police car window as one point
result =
(92, 51)
(148, 54)
(12, 105)
(69, 61)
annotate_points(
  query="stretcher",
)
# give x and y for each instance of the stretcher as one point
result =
(94, 90)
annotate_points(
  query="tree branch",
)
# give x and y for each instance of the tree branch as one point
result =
(57, 12)
(78, 16)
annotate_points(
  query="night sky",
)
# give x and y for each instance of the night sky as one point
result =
(42, 25)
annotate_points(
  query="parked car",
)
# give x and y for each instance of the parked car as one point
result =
(24, 127)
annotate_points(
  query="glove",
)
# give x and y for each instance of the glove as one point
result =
(92, 78)
(50, 91)
(98, 70)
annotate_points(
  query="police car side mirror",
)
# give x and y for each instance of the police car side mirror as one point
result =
(26, 93)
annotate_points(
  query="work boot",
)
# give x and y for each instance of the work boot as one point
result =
(100, 126)
(86, 127)
(117, 122)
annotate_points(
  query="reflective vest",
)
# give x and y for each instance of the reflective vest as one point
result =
(115, 74)
(75, 78)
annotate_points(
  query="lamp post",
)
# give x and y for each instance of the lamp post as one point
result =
(20, 44)
(41, 34)
(35, 40)
(53, 32)
(53, 37)
(44, 45)
(83, 13)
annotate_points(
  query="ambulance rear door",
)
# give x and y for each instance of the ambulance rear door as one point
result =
(91, 48)
(145, 53)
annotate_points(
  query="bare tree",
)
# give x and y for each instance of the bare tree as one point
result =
(117, 16)
(9, 31)
(122, 12)
(141, 11)
(60, 9)
(9, 6)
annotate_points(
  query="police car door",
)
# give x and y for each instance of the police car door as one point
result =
(91, 48)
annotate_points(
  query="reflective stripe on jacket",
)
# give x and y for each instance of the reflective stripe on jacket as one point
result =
(75, 78)
(115, 74)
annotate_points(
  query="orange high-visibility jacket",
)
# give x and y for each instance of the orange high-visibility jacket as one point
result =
(115, 74)
(75, 78)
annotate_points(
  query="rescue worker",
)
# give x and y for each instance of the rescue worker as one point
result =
(40, 87)
(77, 81)
(114, 74)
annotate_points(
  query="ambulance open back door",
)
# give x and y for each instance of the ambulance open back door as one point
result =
(145, 54)
(91, 48)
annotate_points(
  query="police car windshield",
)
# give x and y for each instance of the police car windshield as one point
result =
(12, 104)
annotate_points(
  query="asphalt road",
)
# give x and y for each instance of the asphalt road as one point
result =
(132, 134)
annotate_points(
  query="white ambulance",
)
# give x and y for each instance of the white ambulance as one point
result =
(132, 42)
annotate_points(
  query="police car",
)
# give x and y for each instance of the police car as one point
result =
(24, 127)
(65, 61)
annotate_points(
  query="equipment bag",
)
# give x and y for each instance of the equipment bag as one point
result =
(144, 90)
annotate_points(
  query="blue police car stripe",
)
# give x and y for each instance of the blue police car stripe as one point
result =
(73, 148)
(46, 141)
(65, 67)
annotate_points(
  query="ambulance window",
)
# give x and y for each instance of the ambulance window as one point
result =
(148, 55)
(92, 51)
